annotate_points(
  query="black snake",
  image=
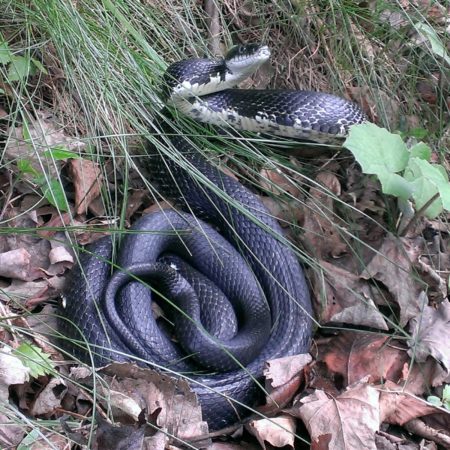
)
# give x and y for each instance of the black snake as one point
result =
(258, 272)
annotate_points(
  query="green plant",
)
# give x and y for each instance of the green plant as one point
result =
(444, 401)
(18, 67)
(35, 359)
(404, 172)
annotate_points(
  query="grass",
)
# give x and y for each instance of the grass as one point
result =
(105, 61)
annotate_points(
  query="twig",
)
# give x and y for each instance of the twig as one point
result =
(420, 428)
(213, 24)
(418, 214)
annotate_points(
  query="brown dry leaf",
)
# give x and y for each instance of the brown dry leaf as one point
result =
(277, 182)
(355, 355)
(431, 335)
(87, 180)
(349, 421)
(279, 431)
(398, 407)
(22, 291)
(287, 212)
(134, 202)
(392, 266)
(50, 397)
(283, 379)
(169, 400)
(320, 232)
(280, 371)
(12, 372)
(16, 264)
(37, 248)
(348, 299)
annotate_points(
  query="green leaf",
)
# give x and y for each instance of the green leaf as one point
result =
(394, 184)
(421, 150)
(19, 68)
(428, 180)
(35, 359)
(437, 47)
(418, 133)
(5, 53)
(446, 393)
(436, 401)
(54, 193)
(60, 152)
(33, 436)
(25, 166)
(377, 150)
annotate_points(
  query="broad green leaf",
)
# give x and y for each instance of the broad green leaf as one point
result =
(19, 68)
(54, 193)
(421, 150)
(437, 47)
(423, 192)
(25, 166)
(429, 179)
(394, 184)
(35, 359)
(5, 53)
(60, 152)
(376, 150)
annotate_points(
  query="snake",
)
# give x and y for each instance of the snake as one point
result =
(233, 291)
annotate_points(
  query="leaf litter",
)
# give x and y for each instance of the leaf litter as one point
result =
(394, 290)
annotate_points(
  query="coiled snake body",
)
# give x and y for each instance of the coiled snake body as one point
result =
(252, 265)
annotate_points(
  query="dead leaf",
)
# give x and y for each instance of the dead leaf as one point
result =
(135, 201)
(287, 212)
(280, 371)
(398, 407)
(276, 182)
(170, 400)
(87, 180)
(50, 397)
(20, 292)
(431, 335)
(321, 235)
(16, 264)
(392, 266)
(348, 299)
(279, 431)
(356, 355)
(12, 372)
(349, 421)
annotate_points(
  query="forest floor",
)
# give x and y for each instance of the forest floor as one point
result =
(79, 83)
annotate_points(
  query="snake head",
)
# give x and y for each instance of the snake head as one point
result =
(246, 58)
